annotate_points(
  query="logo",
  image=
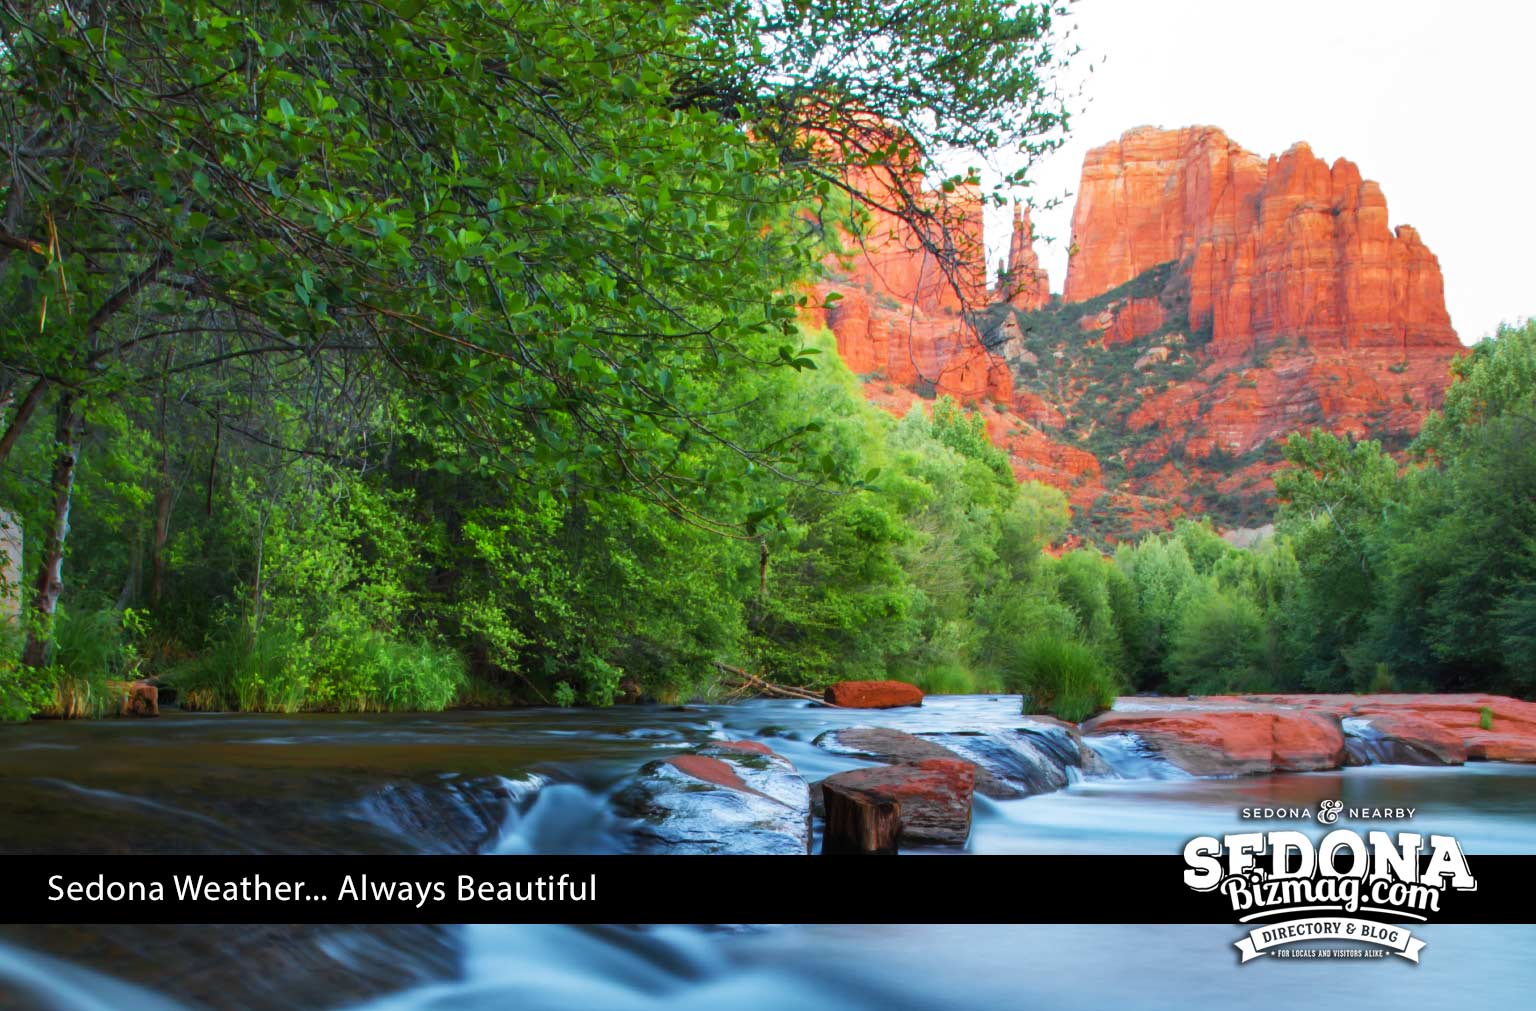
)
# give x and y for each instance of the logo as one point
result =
(1340, 887)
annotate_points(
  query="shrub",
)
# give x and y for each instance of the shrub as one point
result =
(23, 690)
(481, 693)
(1485, 718)
(91, 647)
(1382, 680)
(949, 679)
(278, 668)
(1064, 677)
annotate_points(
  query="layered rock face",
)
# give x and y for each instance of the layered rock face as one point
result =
(1240, 740)
(1283, 247)
(904, 291)
(1215, 302)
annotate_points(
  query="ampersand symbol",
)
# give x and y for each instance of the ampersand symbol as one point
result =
(1328, 811)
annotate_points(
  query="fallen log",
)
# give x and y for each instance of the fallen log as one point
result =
(745, 683)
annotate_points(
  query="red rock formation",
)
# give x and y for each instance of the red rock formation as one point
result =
(873, 694)
(1023, 283)
(1281, 302)
(904, 290)
(136, 698)
(1238, 738)
(1287, 247)
(1511, 736)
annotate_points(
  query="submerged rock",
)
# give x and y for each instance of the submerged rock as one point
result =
(450, 815)
(873, 694)
(932, 799)
(726, 797)
(1041, 757)
(252, 966)
(893, 747)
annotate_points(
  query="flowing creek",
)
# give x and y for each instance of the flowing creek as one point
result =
(542, 781)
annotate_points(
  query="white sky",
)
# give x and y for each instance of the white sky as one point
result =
(1433, 99)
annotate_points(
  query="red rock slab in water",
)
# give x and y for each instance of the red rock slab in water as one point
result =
(873, 694)
(726, 797)
(1239, 741)
(1458, 713)
(1491, 746)
(934, 798)
(757, 746)
(1448, 727)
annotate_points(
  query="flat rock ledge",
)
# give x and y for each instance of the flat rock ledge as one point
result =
(724, 797)
(1234, 740)
(1449, 728)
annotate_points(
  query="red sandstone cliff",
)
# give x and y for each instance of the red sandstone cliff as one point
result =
(1283, 247)
(1257, 297)
(905, 287)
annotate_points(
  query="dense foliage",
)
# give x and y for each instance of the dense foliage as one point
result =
(404, 355)
(384, 355)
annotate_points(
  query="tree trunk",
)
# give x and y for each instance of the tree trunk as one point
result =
(23, 415)
(256, 585)
(162, 529)
(134, 580)
(50, 570)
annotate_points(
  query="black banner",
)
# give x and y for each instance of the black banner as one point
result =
(655, 889)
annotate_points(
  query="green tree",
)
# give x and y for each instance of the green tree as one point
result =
(1334, 494)
(562, 235)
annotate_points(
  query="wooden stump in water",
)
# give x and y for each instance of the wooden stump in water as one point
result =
(859, 822)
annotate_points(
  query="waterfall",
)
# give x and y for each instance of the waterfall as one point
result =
(561, 818)
(1366, 745)
(1128, 757)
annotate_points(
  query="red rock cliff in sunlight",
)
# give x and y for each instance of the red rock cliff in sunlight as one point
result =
(904, 291)
(1215, 303)
(1272, 248)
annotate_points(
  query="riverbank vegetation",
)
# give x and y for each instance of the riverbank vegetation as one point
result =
(407, 356)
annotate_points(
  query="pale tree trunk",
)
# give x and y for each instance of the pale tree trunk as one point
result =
(50, 570)
(162, 532)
